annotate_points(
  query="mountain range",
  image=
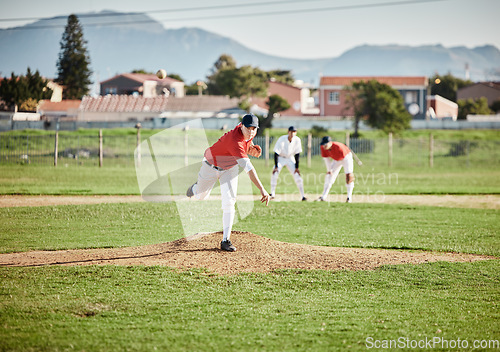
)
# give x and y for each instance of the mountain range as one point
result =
(192, 52)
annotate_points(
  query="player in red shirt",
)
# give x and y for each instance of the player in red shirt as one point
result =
(221, 162)
(337, 155)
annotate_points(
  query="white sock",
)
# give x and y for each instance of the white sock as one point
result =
(274, 182)
(328, 185)
(349, 187)
(300, 184)
(227, 224)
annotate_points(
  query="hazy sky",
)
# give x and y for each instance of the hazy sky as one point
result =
(301, 29)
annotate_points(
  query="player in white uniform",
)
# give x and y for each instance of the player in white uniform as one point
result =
(286, 153)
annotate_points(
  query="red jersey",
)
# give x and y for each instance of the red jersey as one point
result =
(228, 149)
(338, 151)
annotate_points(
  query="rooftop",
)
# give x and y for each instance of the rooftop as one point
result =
(389, 80)
(64, 105)
(141, 77)
(131, 103)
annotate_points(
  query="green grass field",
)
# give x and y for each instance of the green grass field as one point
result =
(33, 179)
(143, 308)
(323, 224)
(114, 308)
(276, 132)
(154, 308)
(461, 149)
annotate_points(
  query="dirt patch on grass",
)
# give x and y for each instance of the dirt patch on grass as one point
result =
(254, 254)
(49, 200)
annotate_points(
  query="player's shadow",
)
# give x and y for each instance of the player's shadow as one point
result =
(90, 260)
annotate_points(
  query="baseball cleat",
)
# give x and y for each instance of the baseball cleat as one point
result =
(320, 199)
(271, 196)
(189, 192)
(348, 200)
(304, 199)
(227, 246)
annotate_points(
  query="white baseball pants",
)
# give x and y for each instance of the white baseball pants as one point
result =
(290, 164)
(334, 166)
(207, 177)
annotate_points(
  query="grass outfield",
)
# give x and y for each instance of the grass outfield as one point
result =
(32, 179)
(458, 169)
(112, 308)
(457, 135)
(155, 308)
(335, 224)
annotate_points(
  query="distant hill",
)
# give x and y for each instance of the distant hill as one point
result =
(483, 62)
(191, 53)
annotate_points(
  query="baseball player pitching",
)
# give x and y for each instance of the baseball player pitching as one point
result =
(337, 155)
(287, 153)
(221, 162)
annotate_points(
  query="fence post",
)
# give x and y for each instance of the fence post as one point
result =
(77, 154)
(100, 147)
(421, 144)
(348, 139)
(309, 149)
(390, 149)
(56, 148)
(467, 151)
(431, 150)
(138, 145)
(186, 144)
(28, 148)
(267, 148)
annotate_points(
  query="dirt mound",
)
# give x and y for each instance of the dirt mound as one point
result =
(255, 254)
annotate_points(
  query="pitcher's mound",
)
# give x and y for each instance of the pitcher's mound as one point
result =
(254, 254)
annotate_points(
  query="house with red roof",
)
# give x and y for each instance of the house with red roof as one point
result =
(332, 93)
(52, 110)
(114, 108)
(147, 85)
(300, 100)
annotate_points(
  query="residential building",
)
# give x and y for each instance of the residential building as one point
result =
(441, 108)
(300, 100)
(489, 90)
(147, 85)
(332, 93)
(112, 108)
(52, 110)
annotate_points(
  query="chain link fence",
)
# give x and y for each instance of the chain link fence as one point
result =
(71, 150)
(119, 150)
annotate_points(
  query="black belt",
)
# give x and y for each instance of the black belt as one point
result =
(214, 167)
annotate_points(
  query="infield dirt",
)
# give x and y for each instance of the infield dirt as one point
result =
(484, 201)
(255, 254)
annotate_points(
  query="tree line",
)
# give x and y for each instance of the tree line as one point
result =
(73, 74)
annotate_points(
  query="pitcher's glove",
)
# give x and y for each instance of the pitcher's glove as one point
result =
(255, 151)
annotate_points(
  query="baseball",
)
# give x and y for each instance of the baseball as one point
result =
(161, 74)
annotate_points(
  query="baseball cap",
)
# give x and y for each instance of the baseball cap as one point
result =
(325, 140)
(250, 120)
(292, 128)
